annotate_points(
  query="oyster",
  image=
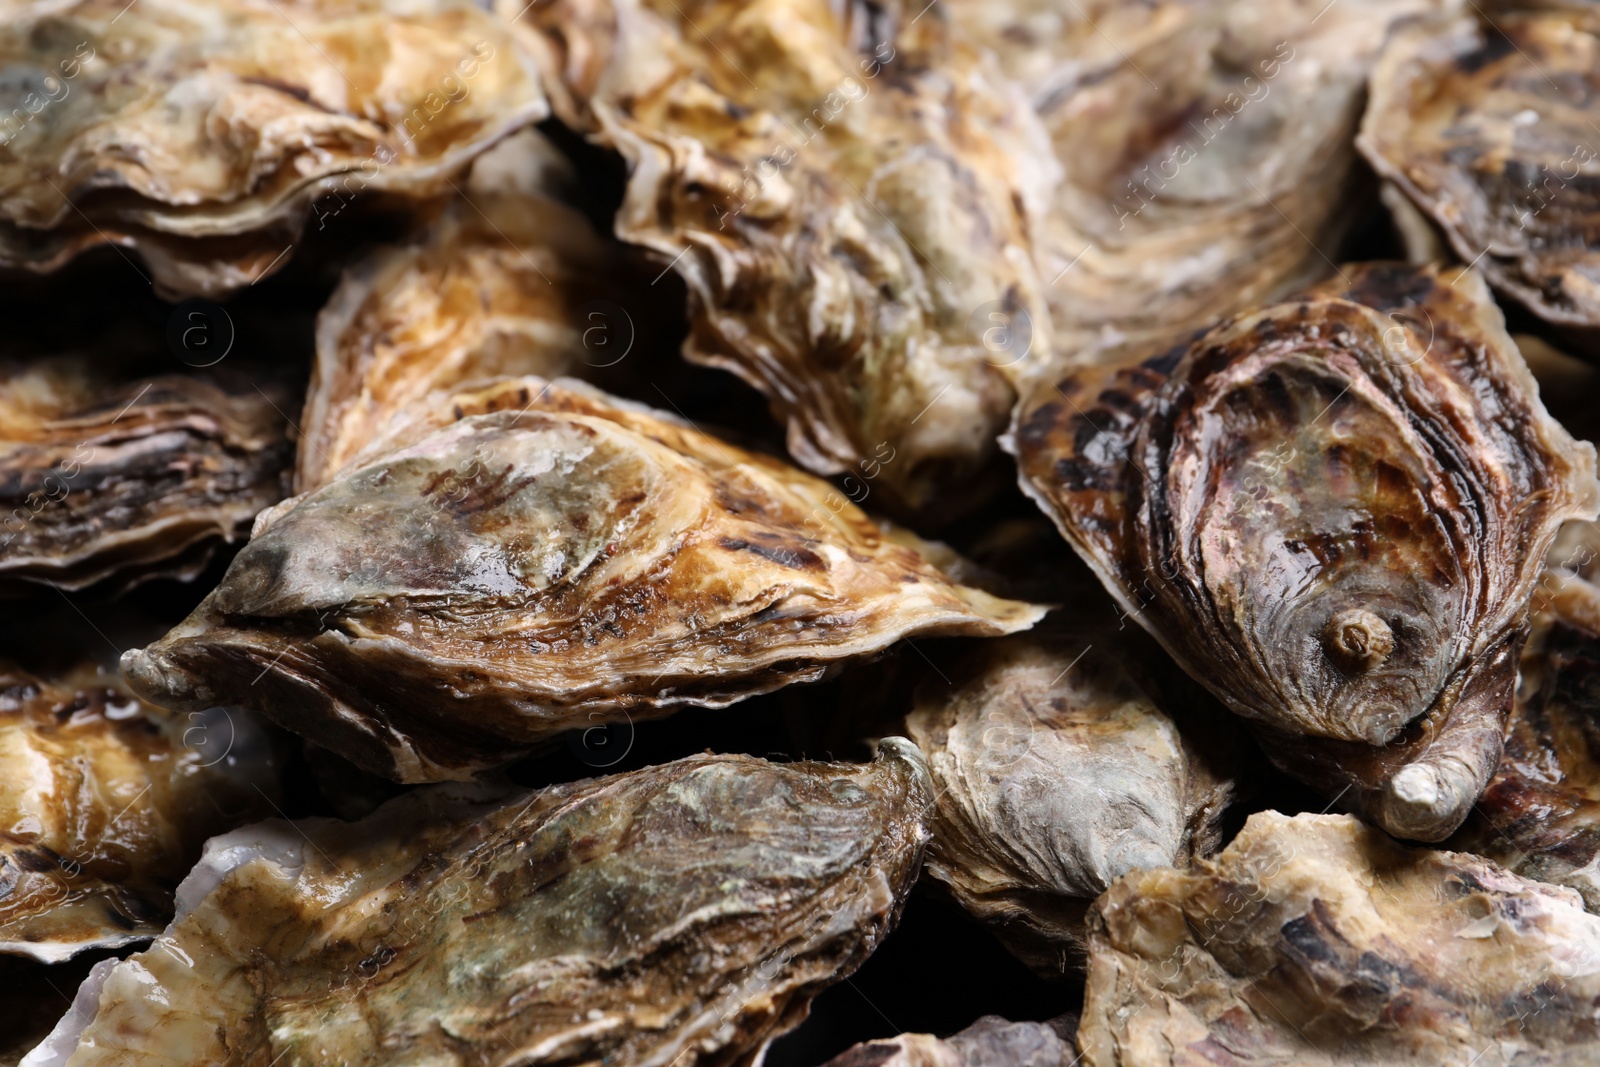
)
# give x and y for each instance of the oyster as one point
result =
(989, 1042)
(529, 556)
(1540, 815)
(1057, 771)
(107, 475)
(683, 913)
(849, 194)
(496, 286)
(1331, 511)
(201, 135)
(1316, 939)
(105, 803)
(1488, 125)
(1207, 169)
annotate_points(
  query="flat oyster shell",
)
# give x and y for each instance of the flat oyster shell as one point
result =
(1488, 125)
(107, 475)
(1057, 772)
(1206, 173)
(989, 1042)
(105, 802)
(1332, 512)
(685, 913)
(849, 194)
(175, 129)
(533, 556)
(495, 286)
(1316, 939)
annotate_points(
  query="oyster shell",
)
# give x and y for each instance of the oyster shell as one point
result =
(529, 556)
(496, 286)
(201, 135)
(989, 1042)
(1332, 512)
(105, 802)
(1316, 939)
(849, 194)
(682, 913)
(106, 475)
(1058, 771)
(1488, 125)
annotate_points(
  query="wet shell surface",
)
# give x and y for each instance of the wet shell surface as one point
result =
(534, 556)
(468, 925)
(989, 1042)
(105, 802)
(1487, 122)
(1332, 511)
(201, 135)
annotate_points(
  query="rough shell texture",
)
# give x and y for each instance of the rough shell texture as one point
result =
(683, 913)
(534, 556)
(497, 286)
(989, 1042)
(105, 803)
(1332, 511)
(1208, 172)
(1540, 815)
(1488, 124)
(201, 134)
(1316, 940)
(849, 194)
(1058, 771)
(105, 475)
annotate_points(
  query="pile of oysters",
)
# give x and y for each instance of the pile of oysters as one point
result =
(531, 531)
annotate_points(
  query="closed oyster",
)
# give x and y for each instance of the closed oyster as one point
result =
(105, 803)
(1488, 125)
(849, 194)
(1058, 770)
(989, 1042)
(1316, 939)
(1208, 167)
(200, 135)
(1540, 815)
(685, 913)
(106, 475)
(496, 286)
(530, 556)
(1332, 512)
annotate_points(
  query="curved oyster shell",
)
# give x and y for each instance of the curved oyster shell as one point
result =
(989, 1042)
(1057, 772)
(105, 803)
(1316, 939)
(200, 135)
(848, 193)
(532, 556)
(1332, 512)
(1488, 125)
(104, 475)
(1207, 172)
(682, 913)
(492, 288)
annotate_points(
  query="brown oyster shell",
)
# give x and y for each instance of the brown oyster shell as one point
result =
(1058, 771)
(989, 1042)
(201, 135)
(684, 913)
(531, 556)
(1316, 939)
(849, 194)
(495, 287)
(1208, 171)
(105, 803)
(1488, 124)
(1332, 512)
(109, 476)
